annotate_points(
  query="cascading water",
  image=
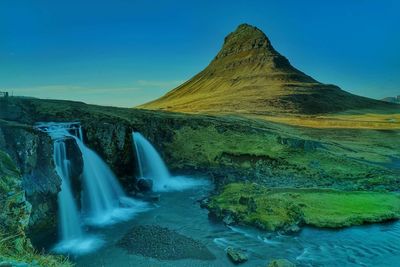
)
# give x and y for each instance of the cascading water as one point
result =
(103, 200)
(150, 163)
(151, 166)
(70, 222)
(73, 239)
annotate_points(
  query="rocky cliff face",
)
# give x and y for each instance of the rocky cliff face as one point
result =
(32, 153)
(15, 220)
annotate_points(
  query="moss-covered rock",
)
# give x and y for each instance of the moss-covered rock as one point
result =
(33, 154)
(283, 209)
(281, 263)
(236, 255)
(15, 211)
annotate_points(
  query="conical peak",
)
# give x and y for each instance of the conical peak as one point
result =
(245, 38)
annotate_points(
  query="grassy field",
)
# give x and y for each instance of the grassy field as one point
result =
(357, 158)
(282, 208)
(375, 121)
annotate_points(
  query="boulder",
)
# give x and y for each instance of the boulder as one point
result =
(144, 184)
(281, 263)
(236, 255)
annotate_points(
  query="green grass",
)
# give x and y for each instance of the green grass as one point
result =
(339, 121)
(336, 159)
(15, 247)
(337, 209)
(283, 208)
(8, 253)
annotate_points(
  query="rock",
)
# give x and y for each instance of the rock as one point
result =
(291, 229)
(281, 263)
(32, 152)
(144, 184)
(228, 219)
(236, 255)
(203, 202)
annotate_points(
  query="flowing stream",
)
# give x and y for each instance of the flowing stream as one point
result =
(369, 245)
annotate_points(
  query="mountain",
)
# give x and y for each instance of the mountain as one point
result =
(392, 99)
(249, 76)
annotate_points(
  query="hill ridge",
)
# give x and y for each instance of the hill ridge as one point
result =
(249, 76)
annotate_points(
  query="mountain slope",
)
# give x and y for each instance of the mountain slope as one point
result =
(392, 99)
(249, 76)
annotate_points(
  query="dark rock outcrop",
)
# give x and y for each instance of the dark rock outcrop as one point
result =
(144, 184)
(16, 249)
(33, 153)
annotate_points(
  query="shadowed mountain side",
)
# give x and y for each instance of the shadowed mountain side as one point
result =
(249, 76)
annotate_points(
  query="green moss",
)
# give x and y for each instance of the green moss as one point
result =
(15, 247)
(283, 209)
(338, 209)
(207, 144)
(283, 152)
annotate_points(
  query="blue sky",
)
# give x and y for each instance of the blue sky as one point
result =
(124, 53)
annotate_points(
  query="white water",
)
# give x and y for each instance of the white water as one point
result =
(71, 227)
(73, 239)
(103, 200)
(151, 166)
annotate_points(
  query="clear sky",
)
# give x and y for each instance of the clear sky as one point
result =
(127, 52)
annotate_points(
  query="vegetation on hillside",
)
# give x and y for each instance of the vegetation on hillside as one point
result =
(248, 76)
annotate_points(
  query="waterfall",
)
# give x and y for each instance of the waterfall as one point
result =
(150, 163)
(70, 226)
(73, 239)
(103, 200)
(103, 197)
(152, 166)
(138, 155)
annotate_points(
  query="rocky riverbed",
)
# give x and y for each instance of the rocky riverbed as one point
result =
(163, 244)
